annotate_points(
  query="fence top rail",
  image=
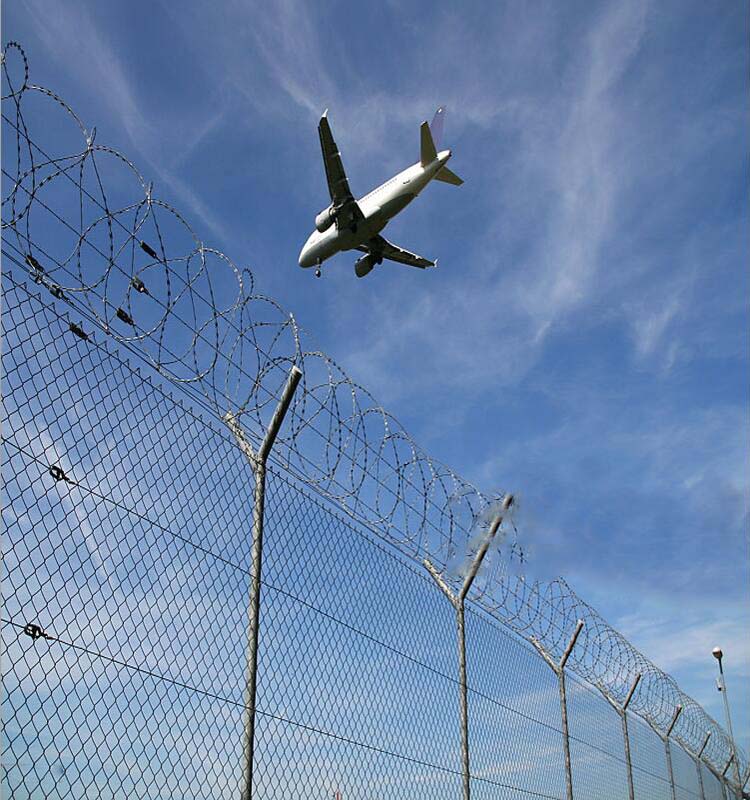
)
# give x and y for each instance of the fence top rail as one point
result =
(84, 223)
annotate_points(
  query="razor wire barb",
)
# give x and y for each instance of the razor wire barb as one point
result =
(131, 265)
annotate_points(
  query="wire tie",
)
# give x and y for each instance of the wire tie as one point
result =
(35, 632)
(57, 473)
(149, 250)
(138, 285)
(33, 263)
(79, 332)
(124, 316)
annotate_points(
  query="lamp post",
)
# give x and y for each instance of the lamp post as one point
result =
(722, 685)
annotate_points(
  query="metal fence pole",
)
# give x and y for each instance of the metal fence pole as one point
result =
(458, 601)
(564, 707)
(698, 759)
(728, 795)
(668, 750)
(727, 784)
(719, 778)
(559, 670)
(628, 758)
(622, 711)
(626, 736)
(257, 462)
(464, 699)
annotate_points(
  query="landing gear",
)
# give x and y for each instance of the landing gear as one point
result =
(318, 273)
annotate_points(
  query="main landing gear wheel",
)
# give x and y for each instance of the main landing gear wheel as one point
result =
(317, 272)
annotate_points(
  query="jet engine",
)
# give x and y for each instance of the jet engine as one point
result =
(325, 219)
(365, 264)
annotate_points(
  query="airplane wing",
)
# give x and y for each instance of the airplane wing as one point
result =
(348, 212)
(382, 247)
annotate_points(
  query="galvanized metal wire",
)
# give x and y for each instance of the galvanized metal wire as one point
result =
(114, 483)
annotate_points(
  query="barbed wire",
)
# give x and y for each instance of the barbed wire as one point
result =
(132, 265)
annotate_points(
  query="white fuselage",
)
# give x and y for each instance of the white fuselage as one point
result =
(378, 207)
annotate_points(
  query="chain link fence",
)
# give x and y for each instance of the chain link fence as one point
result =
(140, 372)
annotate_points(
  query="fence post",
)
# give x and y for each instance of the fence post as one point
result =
(257, 463)
(559, 670)
(698, 758)
(626, 736)
(727, 786)
(622, 711)
(668, 749)
(719, 778)
(458, 601)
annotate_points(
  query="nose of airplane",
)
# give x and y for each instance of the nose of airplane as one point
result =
(305, 258)
(307, 255)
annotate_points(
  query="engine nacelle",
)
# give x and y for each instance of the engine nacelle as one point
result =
(365, 265)
(325, 219)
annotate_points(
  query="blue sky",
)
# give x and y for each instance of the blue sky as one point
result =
(584, 340)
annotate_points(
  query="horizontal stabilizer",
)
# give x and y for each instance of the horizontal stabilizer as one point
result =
(427, 151)
(447, 176)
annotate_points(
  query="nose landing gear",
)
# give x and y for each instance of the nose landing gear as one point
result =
(317, 269)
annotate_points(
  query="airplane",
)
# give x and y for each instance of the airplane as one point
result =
(349, 224)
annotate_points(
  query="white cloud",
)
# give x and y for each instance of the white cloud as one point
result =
(585, 175)
(64, 33)
(672, 644)
(650, 325)
(286, 36)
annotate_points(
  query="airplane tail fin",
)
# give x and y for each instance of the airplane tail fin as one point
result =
(427, 151)
(448, 177)
(436, 126)
(430, 136)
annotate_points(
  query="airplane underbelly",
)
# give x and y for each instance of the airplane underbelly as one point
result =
(366, 229)
(390, 208)
(376, 219)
